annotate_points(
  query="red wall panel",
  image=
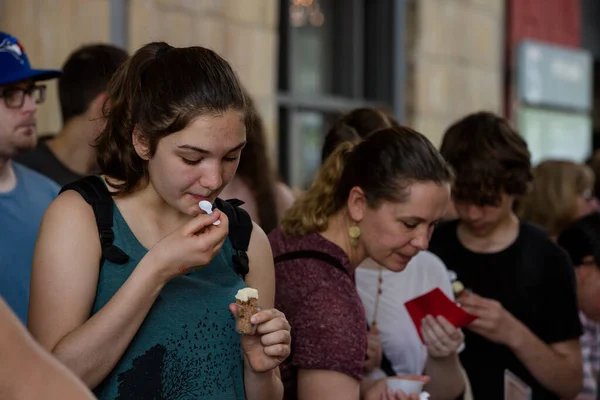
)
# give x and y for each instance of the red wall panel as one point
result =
(554, 21)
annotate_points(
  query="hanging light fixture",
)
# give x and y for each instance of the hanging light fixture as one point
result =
(306, 11)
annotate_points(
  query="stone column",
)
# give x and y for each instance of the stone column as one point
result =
(455, 61)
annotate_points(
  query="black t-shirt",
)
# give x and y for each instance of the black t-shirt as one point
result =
(42, 160)
(534, 280)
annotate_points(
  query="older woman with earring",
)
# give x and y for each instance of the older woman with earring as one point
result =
(394, 345)
(377, 198)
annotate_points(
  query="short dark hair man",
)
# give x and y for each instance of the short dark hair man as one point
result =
(70, 155)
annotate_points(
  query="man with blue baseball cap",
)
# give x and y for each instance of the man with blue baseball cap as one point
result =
(24, 194)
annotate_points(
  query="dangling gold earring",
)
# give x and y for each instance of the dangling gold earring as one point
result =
(354, 233)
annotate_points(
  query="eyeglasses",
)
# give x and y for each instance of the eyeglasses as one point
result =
(15, 97)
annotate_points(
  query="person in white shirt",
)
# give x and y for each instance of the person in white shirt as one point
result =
(400, 341)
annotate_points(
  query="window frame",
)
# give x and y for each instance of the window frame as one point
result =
(374, 77)
(119, 24)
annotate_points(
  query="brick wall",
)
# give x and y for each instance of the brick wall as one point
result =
(553, 21)
(243, 31)
(49, 30)
(455, 53)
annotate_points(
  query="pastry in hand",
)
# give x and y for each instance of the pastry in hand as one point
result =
(246, 301)
(458, 289)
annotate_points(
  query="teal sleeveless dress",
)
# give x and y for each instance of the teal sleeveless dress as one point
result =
(188, 346)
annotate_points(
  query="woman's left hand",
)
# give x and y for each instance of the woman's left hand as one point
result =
(270, 346)
(440, 336)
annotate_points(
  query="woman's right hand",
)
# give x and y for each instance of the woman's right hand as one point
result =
(193, 245)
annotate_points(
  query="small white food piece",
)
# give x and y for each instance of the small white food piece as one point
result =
(458, 288)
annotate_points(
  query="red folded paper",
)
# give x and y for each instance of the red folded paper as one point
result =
(436, 303)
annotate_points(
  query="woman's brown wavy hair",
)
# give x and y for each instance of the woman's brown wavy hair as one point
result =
(383, 165)
(157, 92)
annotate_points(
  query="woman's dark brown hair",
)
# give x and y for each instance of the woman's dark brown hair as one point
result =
(383, 165)
(489, 158)
(157, 92)
(256, 171)
(355, 125)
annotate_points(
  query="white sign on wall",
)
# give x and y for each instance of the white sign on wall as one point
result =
(555, 135)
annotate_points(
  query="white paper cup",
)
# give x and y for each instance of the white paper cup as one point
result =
(407, 385)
